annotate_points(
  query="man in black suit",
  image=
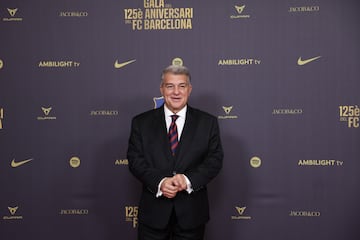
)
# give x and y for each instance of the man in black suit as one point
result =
(174, 157)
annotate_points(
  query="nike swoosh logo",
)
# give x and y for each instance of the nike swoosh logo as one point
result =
(120, 65)
(17, 164)
(301, 62)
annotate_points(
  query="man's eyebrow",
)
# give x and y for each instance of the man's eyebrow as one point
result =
(175, 84)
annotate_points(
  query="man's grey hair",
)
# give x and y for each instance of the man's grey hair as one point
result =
(177, 70)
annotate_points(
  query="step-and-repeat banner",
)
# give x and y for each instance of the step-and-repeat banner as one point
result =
(282, 77)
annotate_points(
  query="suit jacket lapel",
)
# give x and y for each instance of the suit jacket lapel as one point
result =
(162, 136)
(186, 135)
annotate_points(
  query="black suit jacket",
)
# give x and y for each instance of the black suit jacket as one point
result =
(199, 156)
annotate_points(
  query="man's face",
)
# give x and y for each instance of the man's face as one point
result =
(176, 91)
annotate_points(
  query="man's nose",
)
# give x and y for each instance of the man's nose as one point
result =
(176, 89)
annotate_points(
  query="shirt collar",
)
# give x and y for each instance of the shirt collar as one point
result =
(181, 113)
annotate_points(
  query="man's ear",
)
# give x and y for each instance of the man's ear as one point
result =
(161, 91)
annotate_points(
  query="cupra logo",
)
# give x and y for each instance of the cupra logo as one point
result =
(227, 110)
(240, 216)
(12, 12)
(240, 210)
(13, 215)
(13, 210)
(46, 110)
(240, 9)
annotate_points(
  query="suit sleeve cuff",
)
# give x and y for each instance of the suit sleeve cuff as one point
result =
(188, 184)
(159, 192)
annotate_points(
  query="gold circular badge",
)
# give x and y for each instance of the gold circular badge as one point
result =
(74, 162)
(177, 62)
(1, 64)
(255, 162)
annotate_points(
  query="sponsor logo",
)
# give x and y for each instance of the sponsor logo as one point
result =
(239, 10)
(58, 64)
(302, 62)
(158, 102)
(15, 164)
(73, 212)
(1, 117)
(104, 113)
(1, 64)
(118, 65)
(12, 12)
(255, 162)
(304, 9)
(239, 62)
(131, 215)
(177, 62)
(157, 15)
(227, 115)
(73, 14)
(46, 112)
(287, 111)
(13, 215)
(240, 214)
(297, 213)
(320, 162)
(350, 114)
(121, 162)
(74, 162)
(227, 110)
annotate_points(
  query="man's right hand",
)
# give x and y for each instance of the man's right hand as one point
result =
(169, 188)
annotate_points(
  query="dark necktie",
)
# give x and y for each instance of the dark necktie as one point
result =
(173, 134)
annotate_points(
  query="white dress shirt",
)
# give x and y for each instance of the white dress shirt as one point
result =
(180, 122)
